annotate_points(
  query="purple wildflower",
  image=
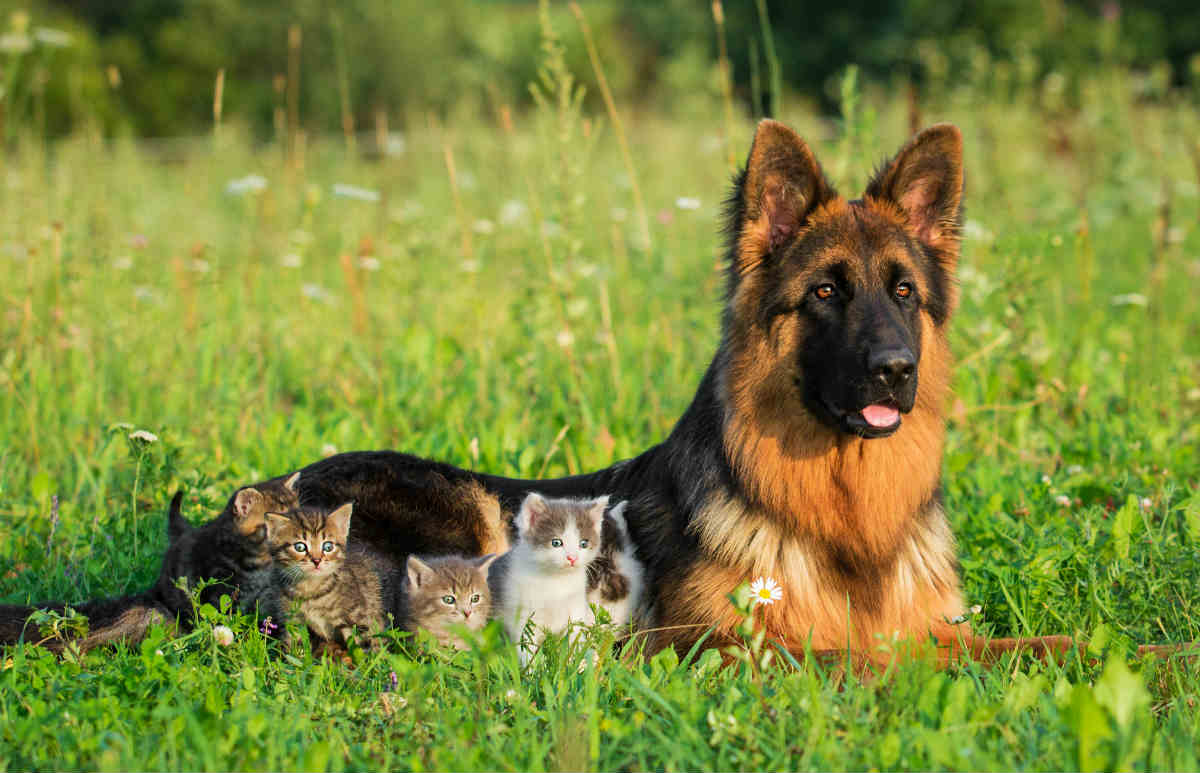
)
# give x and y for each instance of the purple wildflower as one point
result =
(268, 626)
(393, 681)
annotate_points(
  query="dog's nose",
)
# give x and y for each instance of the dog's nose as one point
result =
(892, 367)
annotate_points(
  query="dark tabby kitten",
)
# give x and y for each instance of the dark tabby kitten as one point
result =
(615, 577)
(442, 593)
(230, 548)
(338, 590)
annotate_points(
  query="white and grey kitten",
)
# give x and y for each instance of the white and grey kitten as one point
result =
(544, 577)
(616, 578)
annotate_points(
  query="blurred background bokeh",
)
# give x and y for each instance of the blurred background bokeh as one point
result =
(148, 67)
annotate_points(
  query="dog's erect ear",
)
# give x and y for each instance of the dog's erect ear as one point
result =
(782, 185)
(925, 180)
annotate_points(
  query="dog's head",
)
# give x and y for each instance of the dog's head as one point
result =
(837, 308)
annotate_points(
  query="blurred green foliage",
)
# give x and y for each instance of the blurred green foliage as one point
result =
(149, 66)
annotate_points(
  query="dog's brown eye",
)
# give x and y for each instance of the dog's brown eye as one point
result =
(903, 290)
(825, 292)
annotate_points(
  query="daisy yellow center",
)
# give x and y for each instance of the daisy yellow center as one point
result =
(764, 593)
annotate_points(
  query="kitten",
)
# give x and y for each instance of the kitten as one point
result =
(443, 592)
(544, 576)
(337, 589)
(231, 548)
(616, 577)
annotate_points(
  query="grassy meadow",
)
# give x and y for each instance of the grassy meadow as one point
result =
(507, 295)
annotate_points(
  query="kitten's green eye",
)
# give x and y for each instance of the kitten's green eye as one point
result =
(300, 547)
(583, 544)
(448, 600)
(475, 599)
(327, 546)
(556, 543)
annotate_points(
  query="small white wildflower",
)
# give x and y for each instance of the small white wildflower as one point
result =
(200, 266)
(1056, 240)
(395, 145)
(510, 695)
(52, 37)
(345, 191)
(1046, 479)
(251, 183)
(123, 263)
(222, 635)
(976, 609)
(369, 263)
(291, 260)
(316, 292)
(159, 653)
(144, 293)
(620, 214)
(1129, 299)
(564, 338)
(1145, 503)
(483, 227)
(975, 230)
(687, 202)
(1074, 469)
(551, 229)
(765, 590)
(143, 436)
(15, 44)
(469, 266)
(467, 181)
(577, 307)
(588, 270)
(400, 701)
(329, 449)
(512, 212)
(1062, 500)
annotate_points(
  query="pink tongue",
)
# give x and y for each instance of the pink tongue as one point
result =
(881, 415)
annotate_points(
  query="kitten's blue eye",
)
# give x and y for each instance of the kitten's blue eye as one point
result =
(556, 543)
(448, 600)
(327, 547)
(583, 544)
(300, 547)
(475, 599)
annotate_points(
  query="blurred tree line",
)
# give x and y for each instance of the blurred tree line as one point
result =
(149, 67)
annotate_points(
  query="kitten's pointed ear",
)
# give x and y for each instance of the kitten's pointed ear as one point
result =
(275, 522)
(339, 521)
(248, 507)
(417, 571)
(596, 511)
(290, 483)
(780, 188)
(482, 564)
(533, 508)
(177, 525)
(617, 513)
(925, 180)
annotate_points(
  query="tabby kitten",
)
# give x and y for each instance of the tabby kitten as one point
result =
(338, 590)
(616, 577)
(231, 548)
(544, 577)
(440, 594)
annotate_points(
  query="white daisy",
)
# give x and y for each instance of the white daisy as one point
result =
(765, 590)
(143, 436)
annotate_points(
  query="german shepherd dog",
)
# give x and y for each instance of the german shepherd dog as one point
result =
(812, 450)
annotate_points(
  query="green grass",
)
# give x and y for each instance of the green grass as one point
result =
(139, 292)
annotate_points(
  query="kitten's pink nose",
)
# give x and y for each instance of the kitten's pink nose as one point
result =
(572, 558)
(466, 613)
(316, 562)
